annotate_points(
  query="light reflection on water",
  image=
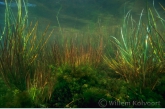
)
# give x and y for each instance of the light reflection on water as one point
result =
(13, 4)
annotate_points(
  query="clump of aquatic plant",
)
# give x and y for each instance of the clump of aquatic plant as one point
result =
(139, 56)
(41, 86)
(20, 53)
(18, 99)
(73, 87)
(77, 50)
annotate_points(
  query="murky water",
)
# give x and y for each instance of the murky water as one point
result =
(78, 14)
(26, 64)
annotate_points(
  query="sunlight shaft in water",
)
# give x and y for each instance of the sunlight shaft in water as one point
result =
(13, 4)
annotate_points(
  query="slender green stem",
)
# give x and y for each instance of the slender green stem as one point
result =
(58, 19)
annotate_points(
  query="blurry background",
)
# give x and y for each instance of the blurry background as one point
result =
(80, 14)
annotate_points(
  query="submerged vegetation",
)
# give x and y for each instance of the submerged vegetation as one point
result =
(90, 69)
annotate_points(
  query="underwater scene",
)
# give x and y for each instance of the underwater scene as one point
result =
(82, 53)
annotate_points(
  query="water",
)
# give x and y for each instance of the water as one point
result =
(78, 14)
(92, 23)
(13, 4)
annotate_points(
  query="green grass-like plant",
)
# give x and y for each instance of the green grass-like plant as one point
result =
(139, 56)
(21, 49)
(80, 69)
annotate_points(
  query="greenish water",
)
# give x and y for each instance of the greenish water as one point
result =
(86, 66)
(79, 13)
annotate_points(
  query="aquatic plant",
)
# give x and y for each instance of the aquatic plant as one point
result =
(20, 53)
(71, 72)
(75, 51)
(139, 56)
